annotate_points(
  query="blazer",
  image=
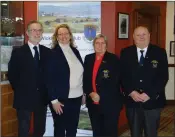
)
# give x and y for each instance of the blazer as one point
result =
(27, 82)
(59, 74)
(150, 78)
(107, 82)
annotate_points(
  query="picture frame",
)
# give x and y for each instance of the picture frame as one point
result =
(123, 25)
(172, 48)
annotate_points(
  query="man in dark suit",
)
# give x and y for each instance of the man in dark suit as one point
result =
(26, 75)
(144, 69)
(101, 84)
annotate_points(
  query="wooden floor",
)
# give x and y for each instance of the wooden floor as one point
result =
(167, 123)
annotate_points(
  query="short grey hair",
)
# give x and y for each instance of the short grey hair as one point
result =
(100, 36)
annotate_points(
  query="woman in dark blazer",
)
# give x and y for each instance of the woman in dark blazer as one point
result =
(101, 83)
(65, 89)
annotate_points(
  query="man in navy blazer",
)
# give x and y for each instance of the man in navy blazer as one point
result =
(26, 75)
(144, 71)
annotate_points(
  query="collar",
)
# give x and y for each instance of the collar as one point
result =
(31, 45)
(145, 49)
(98, 57)
(64, 46)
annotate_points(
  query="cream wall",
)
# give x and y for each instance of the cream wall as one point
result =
(170, 37)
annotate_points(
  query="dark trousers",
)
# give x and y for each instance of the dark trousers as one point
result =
(24, 117)
(66, 124)
(140, 119)
(104, 124)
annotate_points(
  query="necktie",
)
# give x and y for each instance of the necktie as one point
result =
(36, 56)
(141, 57)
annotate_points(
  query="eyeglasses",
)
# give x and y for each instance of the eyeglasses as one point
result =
(63, 34)
(36, 30)
(100, 43)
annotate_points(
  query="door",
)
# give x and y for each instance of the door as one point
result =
(152, 23)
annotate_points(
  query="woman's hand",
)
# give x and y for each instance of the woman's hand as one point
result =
(83, 100)
(94, 96)
(58, 107)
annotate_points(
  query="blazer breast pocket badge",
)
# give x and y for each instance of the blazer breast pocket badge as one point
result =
(106, 73)
(154, 63)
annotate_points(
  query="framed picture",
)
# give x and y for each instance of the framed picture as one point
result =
(172, 48)
(123, 25)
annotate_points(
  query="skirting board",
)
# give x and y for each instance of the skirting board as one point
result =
(170, 102)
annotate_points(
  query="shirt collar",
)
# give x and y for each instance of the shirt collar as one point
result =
(64, 46)
(99, 57)
(145, 49)
(31, 45)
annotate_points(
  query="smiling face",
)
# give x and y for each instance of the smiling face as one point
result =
(100, 46)
(141, 37)
(34, 33)
(63, 36)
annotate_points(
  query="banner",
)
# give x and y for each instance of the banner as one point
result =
(84, 19)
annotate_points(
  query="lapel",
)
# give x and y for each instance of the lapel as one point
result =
(147, 56)
(134, 56)
(102, 65)
(77, 55)
(91, 64)
(41, 54)
(61, 55)
(29, 55)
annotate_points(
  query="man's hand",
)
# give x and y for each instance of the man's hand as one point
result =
(94, 96)
(136, 96)
(58, 107)
(144, 97)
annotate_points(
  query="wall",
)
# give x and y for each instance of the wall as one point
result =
(29, 14)
(170, 37)
(109, 25)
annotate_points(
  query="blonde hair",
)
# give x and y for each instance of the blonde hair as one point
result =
(55, 35)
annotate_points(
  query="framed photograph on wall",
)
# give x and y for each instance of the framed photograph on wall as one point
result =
(172, 48)
(123, 25)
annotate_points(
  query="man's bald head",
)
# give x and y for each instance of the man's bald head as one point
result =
(141, 37)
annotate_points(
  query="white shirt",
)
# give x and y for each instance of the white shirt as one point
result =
(76, 73)
(139, 53)
(31, 46)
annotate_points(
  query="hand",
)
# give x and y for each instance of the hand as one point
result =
(83, 100)
(94, 96)
(144, 97)
(58, 107)
(136, 96)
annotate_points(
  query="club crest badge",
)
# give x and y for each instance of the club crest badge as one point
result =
(89, 32)
(154, 63)
(106, 73)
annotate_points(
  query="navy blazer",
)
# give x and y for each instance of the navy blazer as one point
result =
(151, 77)
(107, 82)
(28, 83)
(59, 74)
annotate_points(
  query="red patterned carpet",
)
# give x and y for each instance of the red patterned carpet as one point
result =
(167, 123)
